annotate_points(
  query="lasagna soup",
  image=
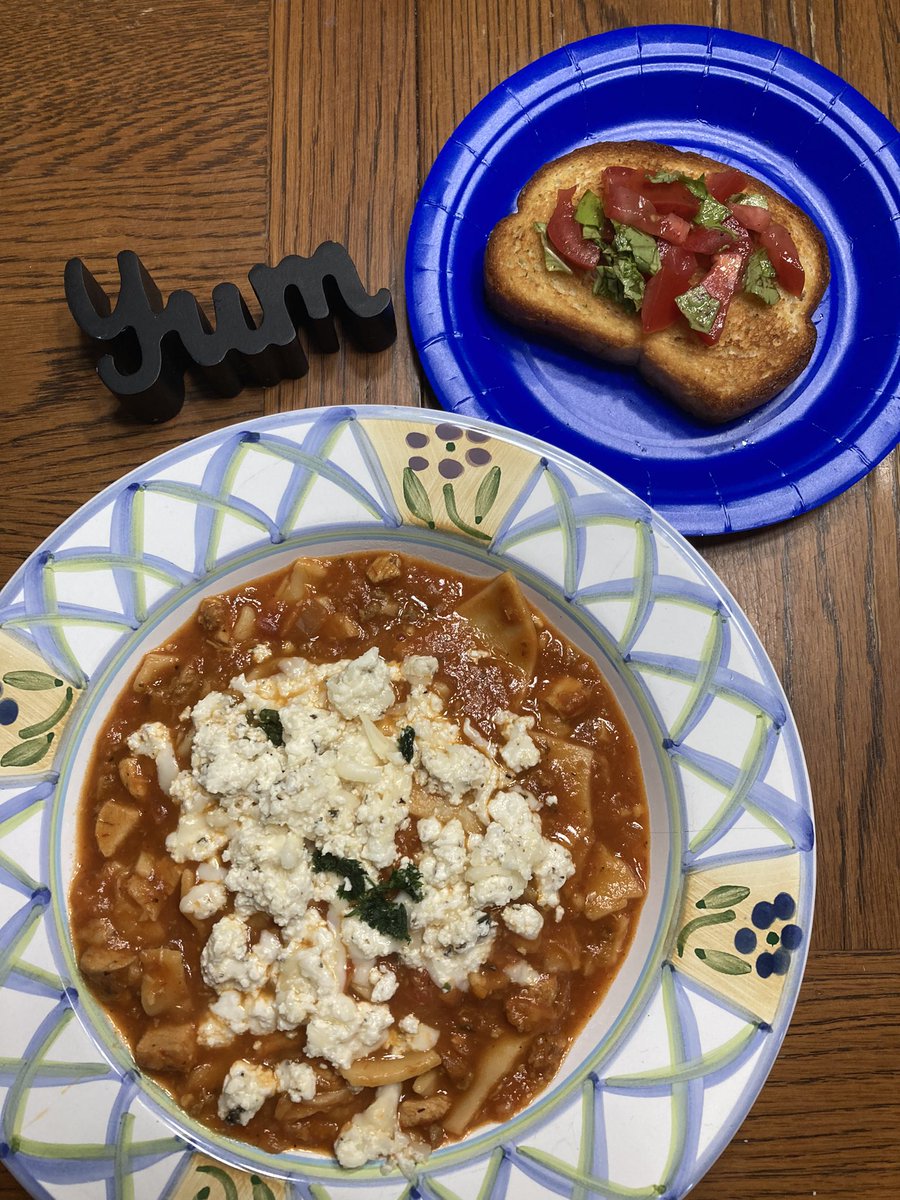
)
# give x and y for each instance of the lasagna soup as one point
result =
(360, 850)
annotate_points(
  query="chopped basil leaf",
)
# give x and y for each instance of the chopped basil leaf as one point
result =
(405, 742)
(751, 199)
(696, 185)
(592, 233)
(619, 277)
(631, 279)
(699, 307)
(642, 247)
(759, 277)
(383, 915)
(608, 284)
(373, 904)
(711, 214)
(590, 210)
(269, 722)
(404, 879)
(355, 878)
(552, 261)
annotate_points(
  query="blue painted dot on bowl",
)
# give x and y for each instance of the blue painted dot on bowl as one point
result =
(781, 960)
(9, 710)
(791, 936)
(449, 433)
(765, 965)
(763, 914)
(784, 906)
(745, 941)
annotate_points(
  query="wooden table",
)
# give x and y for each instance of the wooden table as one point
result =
(212, 136)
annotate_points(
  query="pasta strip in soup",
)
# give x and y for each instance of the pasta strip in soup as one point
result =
(361, 848)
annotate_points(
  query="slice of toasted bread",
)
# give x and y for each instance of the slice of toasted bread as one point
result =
(761, 349)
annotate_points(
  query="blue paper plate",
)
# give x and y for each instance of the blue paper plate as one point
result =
(740, 100)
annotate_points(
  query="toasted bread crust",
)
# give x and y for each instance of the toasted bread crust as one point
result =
(761, 349)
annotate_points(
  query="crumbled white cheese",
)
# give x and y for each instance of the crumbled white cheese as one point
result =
(419, 669)
(297, 1079)
(260, 652)
(383, 982)
(203, 900)
(249, 813)
(190, 796)
(522, 973)
(362, 687)
(245, 1091)
(417, 1035)
(518, 750)
(512, 852)
(228, 960)
(195, 839)
(523, 919)
(455, 767)
(229, 756)
(242, 1012)
(270, 872)
(312, 966)
(155, 741)
(374, 1133)
(211, 872)
(342, 1029)
(365, 942)
(214, 1032)
(445, 851)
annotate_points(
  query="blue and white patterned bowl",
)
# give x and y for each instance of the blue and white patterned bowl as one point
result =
(668, 1067)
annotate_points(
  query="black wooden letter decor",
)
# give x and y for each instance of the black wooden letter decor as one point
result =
(150, 345)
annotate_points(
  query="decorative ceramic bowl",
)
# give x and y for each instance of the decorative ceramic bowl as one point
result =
(667, 1068)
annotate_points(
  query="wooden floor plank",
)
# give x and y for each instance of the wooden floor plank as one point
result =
(825, 1122)
(344, 168)
(126, 89)
(210, 137)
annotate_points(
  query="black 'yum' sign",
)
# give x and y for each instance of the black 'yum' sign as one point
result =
(150, 345)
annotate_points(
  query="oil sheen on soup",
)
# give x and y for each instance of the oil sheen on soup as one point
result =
(361, 848)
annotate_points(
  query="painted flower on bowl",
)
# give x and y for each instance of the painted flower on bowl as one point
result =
(452, 452)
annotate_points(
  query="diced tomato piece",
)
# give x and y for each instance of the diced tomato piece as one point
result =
(751, 216)
(624, 204)
(676, 266)
(671, 198)
(707, 241)
(631, 208)
(565, 235)
(722, 184)
(674, 229)
(781, 250)
(628, 176)
(724, 278)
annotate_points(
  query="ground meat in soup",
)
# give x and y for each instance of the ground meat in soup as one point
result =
(361, 848)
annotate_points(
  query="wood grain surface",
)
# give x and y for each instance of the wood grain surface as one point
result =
(209, 137)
